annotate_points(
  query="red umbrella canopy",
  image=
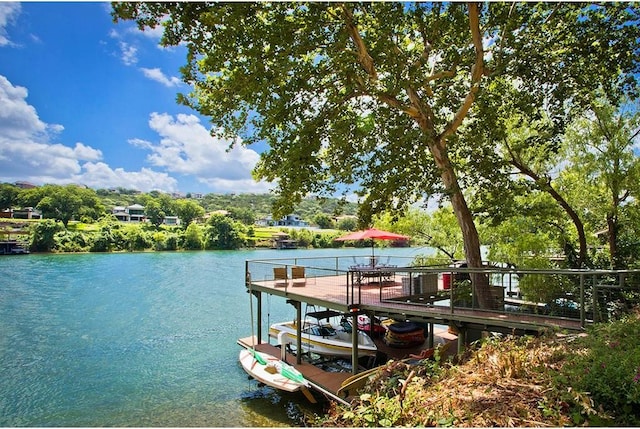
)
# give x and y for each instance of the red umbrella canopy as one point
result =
(376, 234)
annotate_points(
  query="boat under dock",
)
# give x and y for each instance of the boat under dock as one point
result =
(329, 383)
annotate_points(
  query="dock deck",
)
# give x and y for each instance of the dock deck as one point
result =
(390, 298)
(329, 382)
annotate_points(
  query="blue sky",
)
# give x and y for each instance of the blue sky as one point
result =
(84, 100)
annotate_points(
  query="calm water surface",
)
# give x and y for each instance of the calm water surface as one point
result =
(136, 339)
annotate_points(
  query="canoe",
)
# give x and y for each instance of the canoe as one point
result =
(272, 371)
(356, 382)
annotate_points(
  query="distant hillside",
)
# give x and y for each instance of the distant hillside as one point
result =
(259, 204)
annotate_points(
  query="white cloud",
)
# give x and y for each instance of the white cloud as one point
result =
(128, 53)
(157, 75)
(151, 33)
(17, 118)
(100, 175)
(28, 152)
(187, 148)
(8, 13)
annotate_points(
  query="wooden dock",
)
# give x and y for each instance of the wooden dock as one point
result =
(391, 297)
(334, 292)
(329, 382)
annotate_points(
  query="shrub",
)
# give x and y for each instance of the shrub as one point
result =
(43, 235)
(192, 238)
(607, 365)
(138, 240)
(68, 241)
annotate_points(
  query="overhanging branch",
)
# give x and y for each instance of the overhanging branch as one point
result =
(477, 70)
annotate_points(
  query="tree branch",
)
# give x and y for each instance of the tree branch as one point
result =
(477, 71)
(366, 61)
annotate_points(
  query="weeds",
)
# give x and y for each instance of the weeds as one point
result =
(513, 381)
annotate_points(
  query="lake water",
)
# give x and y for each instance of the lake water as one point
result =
(137, 339)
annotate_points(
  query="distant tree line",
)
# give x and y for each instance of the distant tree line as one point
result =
(95, 228)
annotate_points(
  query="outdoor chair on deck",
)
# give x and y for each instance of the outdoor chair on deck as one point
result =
(280, 276)
(297, 276)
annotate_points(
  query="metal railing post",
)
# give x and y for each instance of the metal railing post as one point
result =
(582, 303)
(594, 299)
(451, 294)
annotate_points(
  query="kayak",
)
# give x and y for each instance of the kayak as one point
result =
(272, 371)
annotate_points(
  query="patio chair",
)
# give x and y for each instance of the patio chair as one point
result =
(297, 276)
(356, 264)
(280, 276)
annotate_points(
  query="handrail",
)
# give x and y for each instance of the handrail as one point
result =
(584, 299)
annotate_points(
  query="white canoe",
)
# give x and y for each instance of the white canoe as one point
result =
(271, 371)
(324, 339)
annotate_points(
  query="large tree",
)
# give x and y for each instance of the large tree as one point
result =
(9, 196)
(64, 203)
(370, 97)
(602, 148)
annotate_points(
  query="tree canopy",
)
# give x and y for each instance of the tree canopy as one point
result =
(393, 101)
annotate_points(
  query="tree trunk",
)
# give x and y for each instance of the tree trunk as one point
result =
(544, 184)
(480, 282)
(421, 112)
(613, 241)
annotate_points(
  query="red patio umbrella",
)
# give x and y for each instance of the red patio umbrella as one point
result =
(372, 233)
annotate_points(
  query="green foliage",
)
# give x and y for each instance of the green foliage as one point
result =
(510, 381)
(545, 288)
(192, 238)
(166, 240)
(64, 203)
(608, 367)
(153, 211)
(534, 231)
(438, 229)
(223, 233)
(43, 235)
(601, 146)
(138, 239)
(248, 207)
(244, 215)
(70, 241)
(393, 102)
(347, 224)
(8, 196)
(188, 211)
(324, 221)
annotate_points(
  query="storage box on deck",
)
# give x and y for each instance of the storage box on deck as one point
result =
(420, 284)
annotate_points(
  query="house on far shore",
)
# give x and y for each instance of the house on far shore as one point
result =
(291, 220)
(171, 220)
(23, 213)
(133, 213)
